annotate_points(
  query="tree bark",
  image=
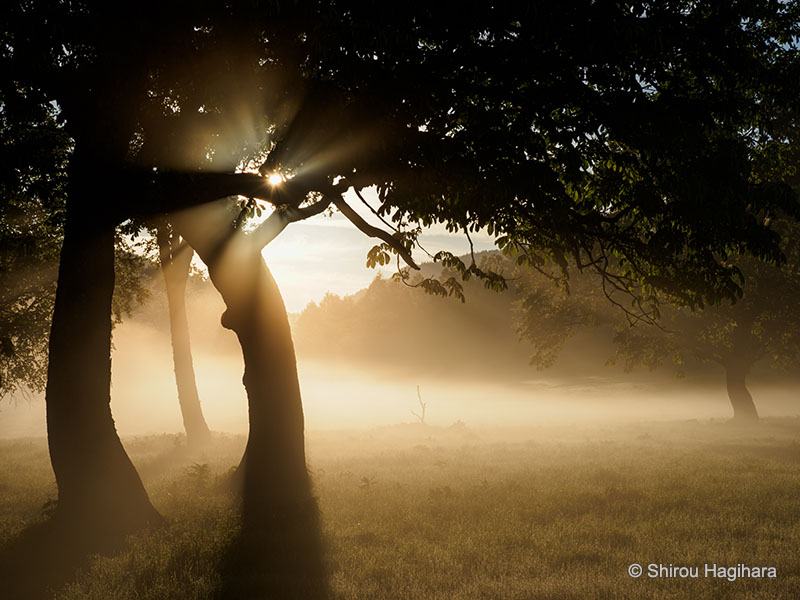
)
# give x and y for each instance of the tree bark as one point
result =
(279, 553)
(744, 409)
(274, 466)
(274, 463)
(175, 262)
(98, 487)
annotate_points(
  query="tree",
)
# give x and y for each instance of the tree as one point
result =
(35, 152)
(175, 257)
(278, 509)
(34, 155)
(762, 326)
(434, 337)
(93, 80)
(572, 131)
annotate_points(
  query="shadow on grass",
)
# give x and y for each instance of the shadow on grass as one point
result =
(279, 555)
(45, 556)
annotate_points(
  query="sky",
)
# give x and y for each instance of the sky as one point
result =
(328, 254)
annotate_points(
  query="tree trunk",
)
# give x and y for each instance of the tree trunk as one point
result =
(98, 487)
(744, 410)
(280, 553)
(274, 465)
(175, 264)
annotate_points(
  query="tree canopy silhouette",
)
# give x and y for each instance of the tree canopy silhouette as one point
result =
(763, 326)
(760, 327)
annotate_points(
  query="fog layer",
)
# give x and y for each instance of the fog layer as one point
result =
(342, 394)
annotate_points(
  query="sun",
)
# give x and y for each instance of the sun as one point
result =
(275, 179)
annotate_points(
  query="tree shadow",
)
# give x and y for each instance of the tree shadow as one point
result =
(279, 555)
(45, 556)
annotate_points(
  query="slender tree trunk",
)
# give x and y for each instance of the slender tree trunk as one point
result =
(175, 264)
(98, 487)
(744, 409)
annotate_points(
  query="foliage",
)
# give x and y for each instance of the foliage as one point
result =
(763, 325)
(548, 318)
(131, 270)
(637, 142)
(33, 155)
(646, 142)
(638, 138)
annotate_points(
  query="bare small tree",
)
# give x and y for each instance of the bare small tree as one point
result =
(420, 416)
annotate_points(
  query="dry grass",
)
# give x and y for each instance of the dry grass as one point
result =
(422, 512)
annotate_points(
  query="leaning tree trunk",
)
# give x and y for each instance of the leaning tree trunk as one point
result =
(280, 553)
(98, 487)
(175, 264)
(274, 465)
(744, 409)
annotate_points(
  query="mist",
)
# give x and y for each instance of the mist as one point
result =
(356, 393)
(515, 478)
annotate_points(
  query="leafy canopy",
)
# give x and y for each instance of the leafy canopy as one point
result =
(644, 140)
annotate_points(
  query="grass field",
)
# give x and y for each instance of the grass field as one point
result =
(452, 513)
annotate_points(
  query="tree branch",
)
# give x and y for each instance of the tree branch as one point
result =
(281, 217)
(371, 231)
(471, 246)
(143, 193)
(374, 212)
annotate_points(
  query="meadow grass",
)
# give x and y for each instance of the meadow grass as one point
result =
(451, 513)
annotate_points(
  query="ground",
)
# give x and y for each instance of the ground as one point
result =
(460, 513)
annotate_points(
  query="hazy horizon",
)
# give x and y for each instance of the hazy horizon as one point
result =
(341, 396)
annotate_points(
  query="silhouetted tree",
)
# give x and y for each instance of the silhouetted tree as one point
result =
(34, 155)
(761, 326)
(97, 65)
(175, 257)
(34, 152)
(281, 536)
